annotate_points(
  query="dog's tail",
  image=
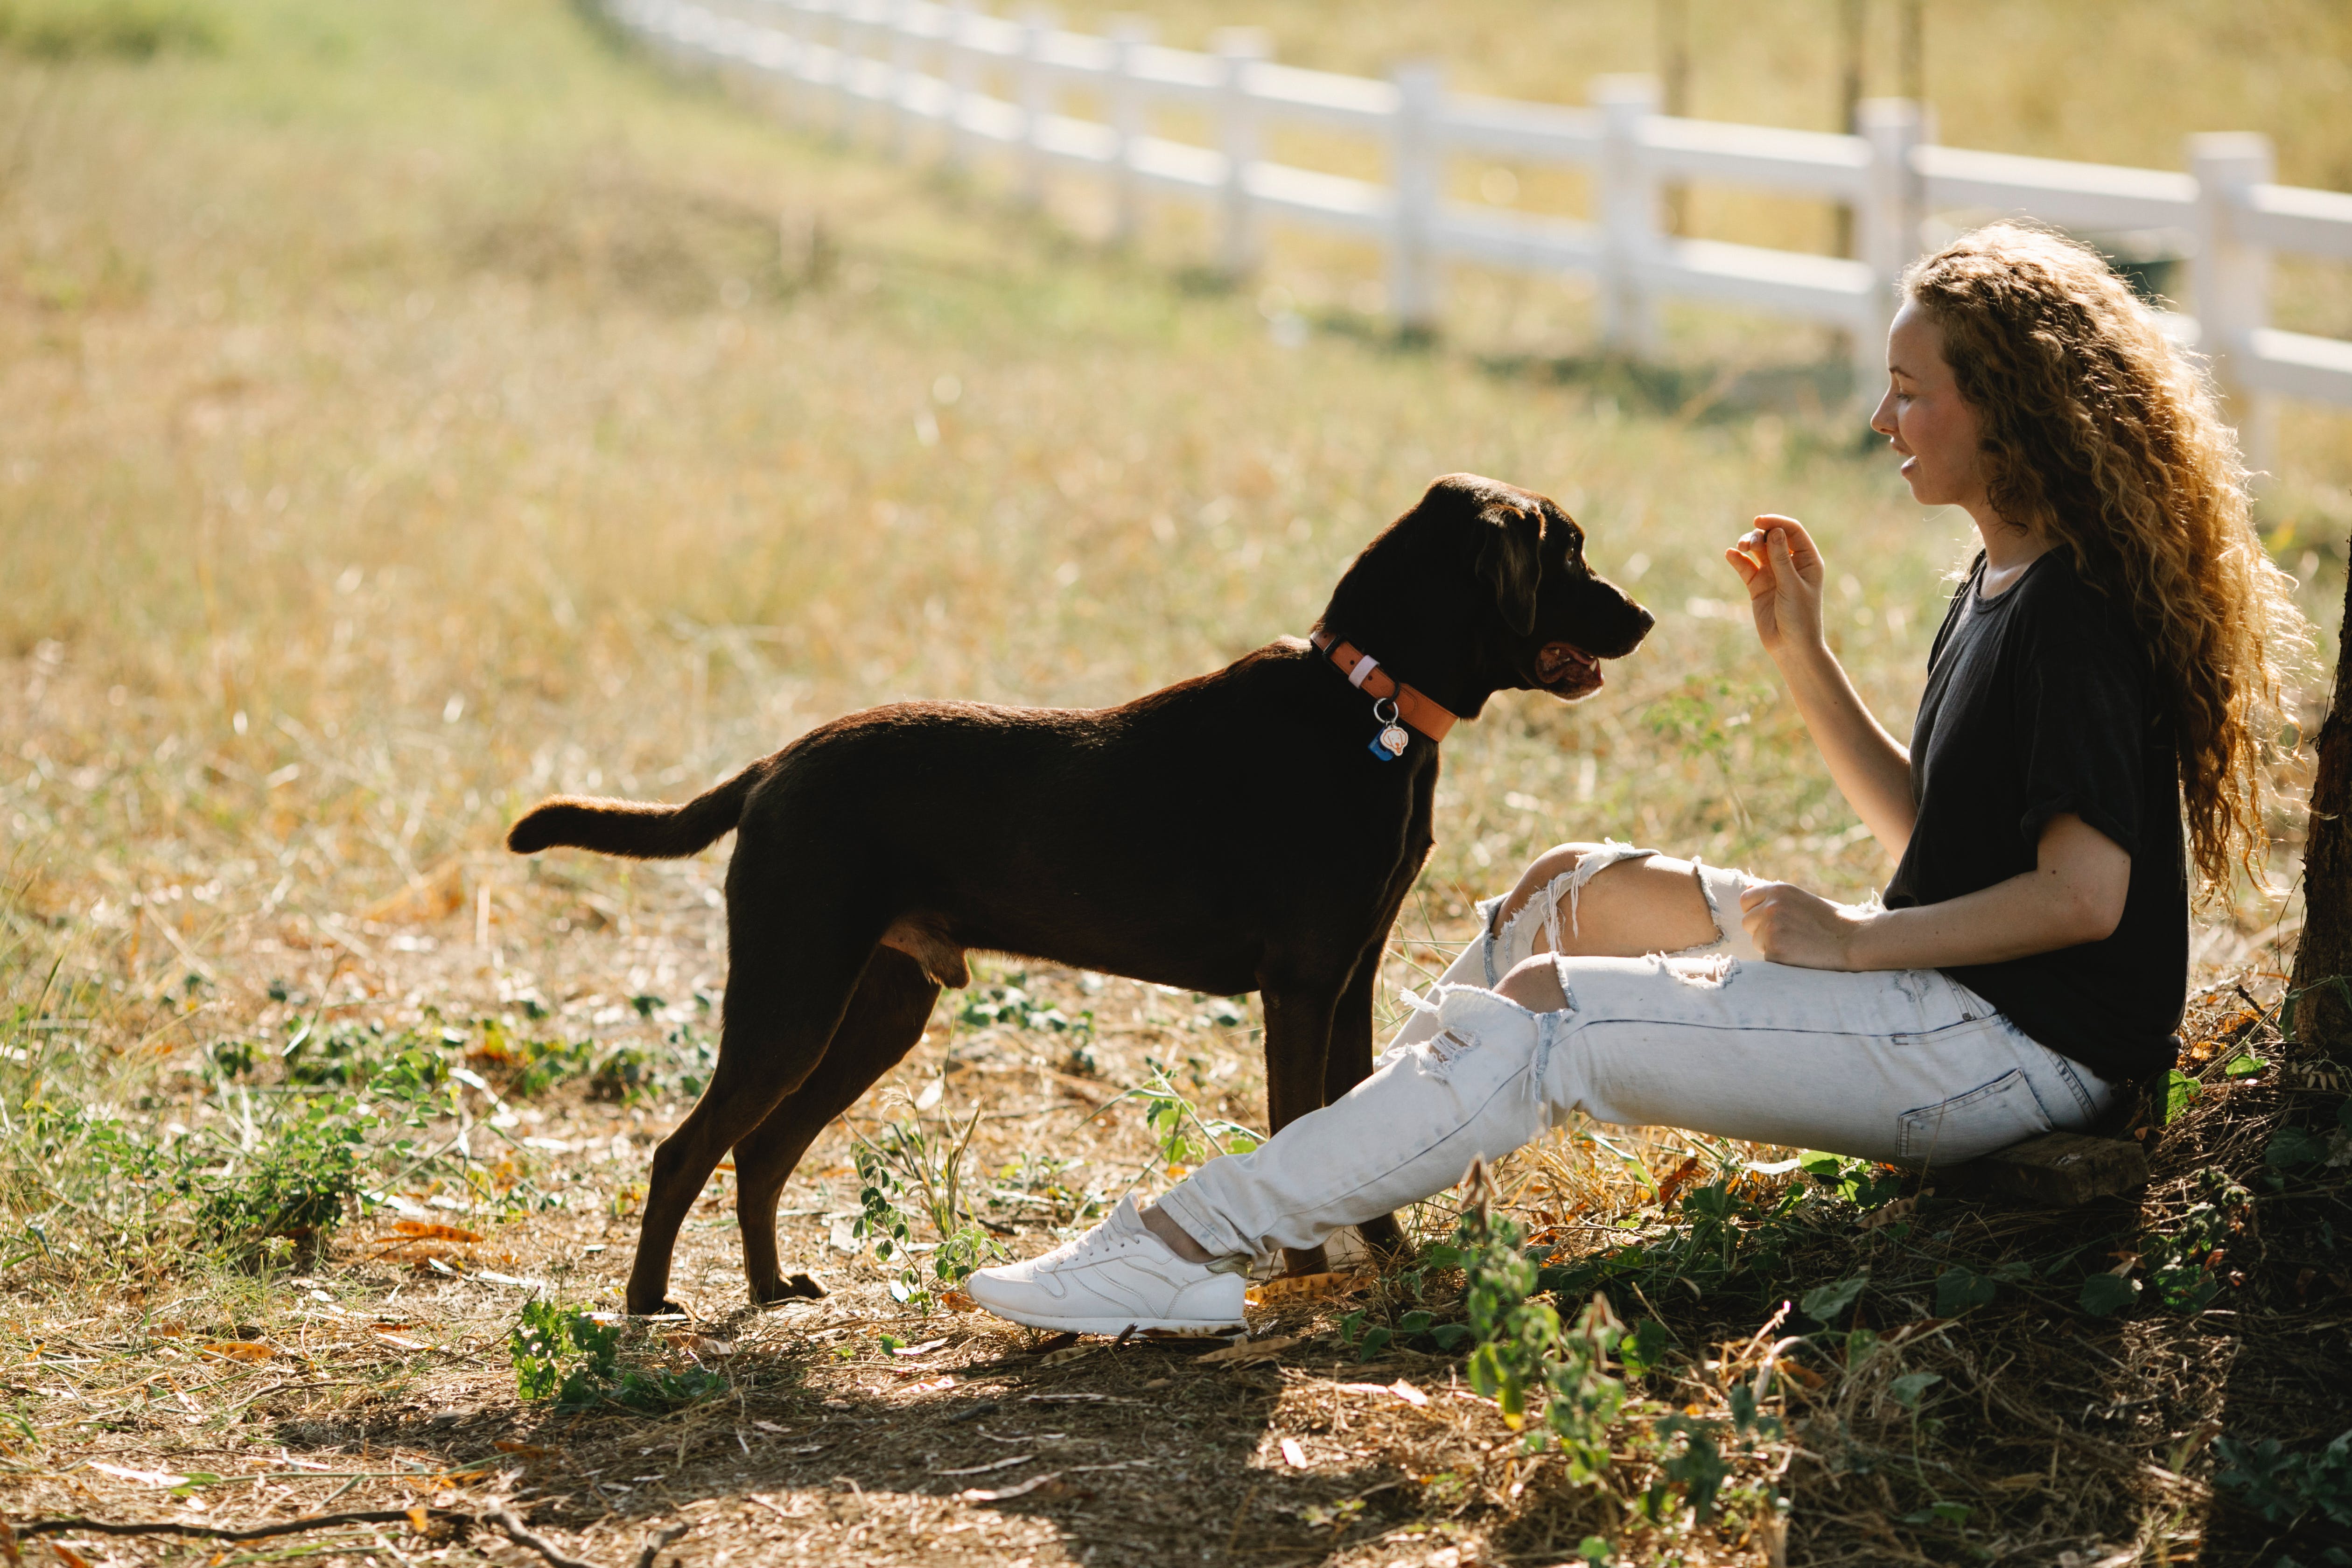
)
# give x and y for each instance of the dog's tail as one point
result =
(642, 830)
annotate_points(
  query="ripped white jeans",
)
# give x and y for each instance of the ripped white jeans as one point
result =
(1901, 1064)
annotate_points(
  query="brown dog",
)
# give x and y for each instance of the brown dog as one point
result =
(1245, 830)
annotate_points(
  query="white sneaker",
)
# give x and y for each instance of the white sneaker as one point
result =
(1115, 1276)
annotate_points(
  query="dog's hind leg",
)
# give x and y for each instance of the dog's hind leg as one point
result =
(781, 1013)
(885, 1020)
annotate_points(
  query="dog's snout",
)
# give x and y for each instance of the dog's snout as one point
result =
(1622, 620)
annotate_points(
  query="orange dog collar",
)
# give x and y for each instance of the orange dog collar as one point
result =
(1364, 673)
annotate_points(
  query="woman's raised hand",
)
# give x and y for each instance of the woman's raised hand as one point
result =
(1782, 568)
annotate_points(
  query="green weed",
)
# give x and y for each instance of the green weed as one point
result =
(1551, 1380)
(1036, 1183)
(1523, 1351)
(2288, 1488)
(525, 1067)
(1186, 1135)
(914, 1170)
(290, 1183)
(635, 1075)
(1010, 1005)
(566, 1355)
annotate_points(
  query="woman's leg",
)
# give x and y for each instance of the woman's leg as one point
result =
(1595, 900)
(1898, 1064)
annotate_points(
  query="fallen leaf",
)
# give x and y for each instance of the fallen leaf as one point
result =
(1067, 1352)
(426, 1230)
(1023, 1489)
(1293, 1454)
(429, 1257)
(1408, 1393)
(527, 1450)
(402, 1341)
(771, 1427)
(1673, 1184)
(67, 1555)
(417, 1520)
(1889, 1213)
(145, 1478)
(957, 1302)
(240, 1350)
(926, 1348)
(1249, 1350)
(937, 1382)
(1306, 1288)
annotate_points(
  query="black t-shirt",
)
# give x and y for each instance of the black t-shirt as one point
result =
(2039, 703)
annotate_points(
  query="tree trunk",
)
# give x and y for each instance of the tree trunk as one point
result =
(2323, 962)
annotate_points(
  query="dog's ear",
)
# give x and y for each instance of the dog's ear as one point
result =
(1511, 560)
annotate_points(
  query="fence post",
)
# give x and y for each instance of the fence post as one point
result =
(1239, 48)
(1036, 99)
(2232, 281)
(961, 69)
(1886, 229)
(1128, 35)
(1628, 208)
(1416, 167)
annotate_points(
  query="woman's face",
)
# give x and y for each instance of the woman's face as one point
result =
(1923, 419)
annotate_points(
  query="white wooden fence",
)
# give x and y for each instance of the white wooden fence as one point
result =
(904, 63)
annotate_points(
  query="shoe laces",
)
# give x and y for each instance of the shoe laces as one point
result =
(1102, 1241)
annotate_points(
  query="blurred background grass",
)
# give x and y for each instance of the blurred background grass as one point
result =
(413, 410)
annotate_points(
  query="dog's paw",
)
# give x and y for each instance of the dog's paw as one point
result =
(792, 1288)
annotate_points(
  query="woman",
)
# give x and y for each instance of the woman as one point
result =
(2110, 665)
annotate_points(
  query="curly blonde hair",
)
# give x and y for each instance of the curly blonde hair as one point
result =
(2095, 428)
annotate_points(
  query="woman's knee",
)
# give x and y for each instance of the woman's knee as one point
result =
(1534, 985)
(1542, 871)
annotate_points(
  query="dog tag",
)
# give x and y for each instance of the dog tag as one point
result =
(1395, 738)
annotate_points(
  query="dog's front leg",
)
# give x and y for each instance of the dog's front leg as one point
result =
(1350, 1063)
(1297, 1049)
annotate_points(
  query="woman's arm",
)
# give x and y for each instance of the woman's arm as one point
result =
(2075, 894)
(1782, 569)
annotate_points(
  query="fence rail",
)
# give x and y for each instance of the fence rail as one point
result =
(918, 62)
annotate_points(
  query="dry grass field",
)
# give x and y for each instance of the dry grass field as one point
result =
(405, 412)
